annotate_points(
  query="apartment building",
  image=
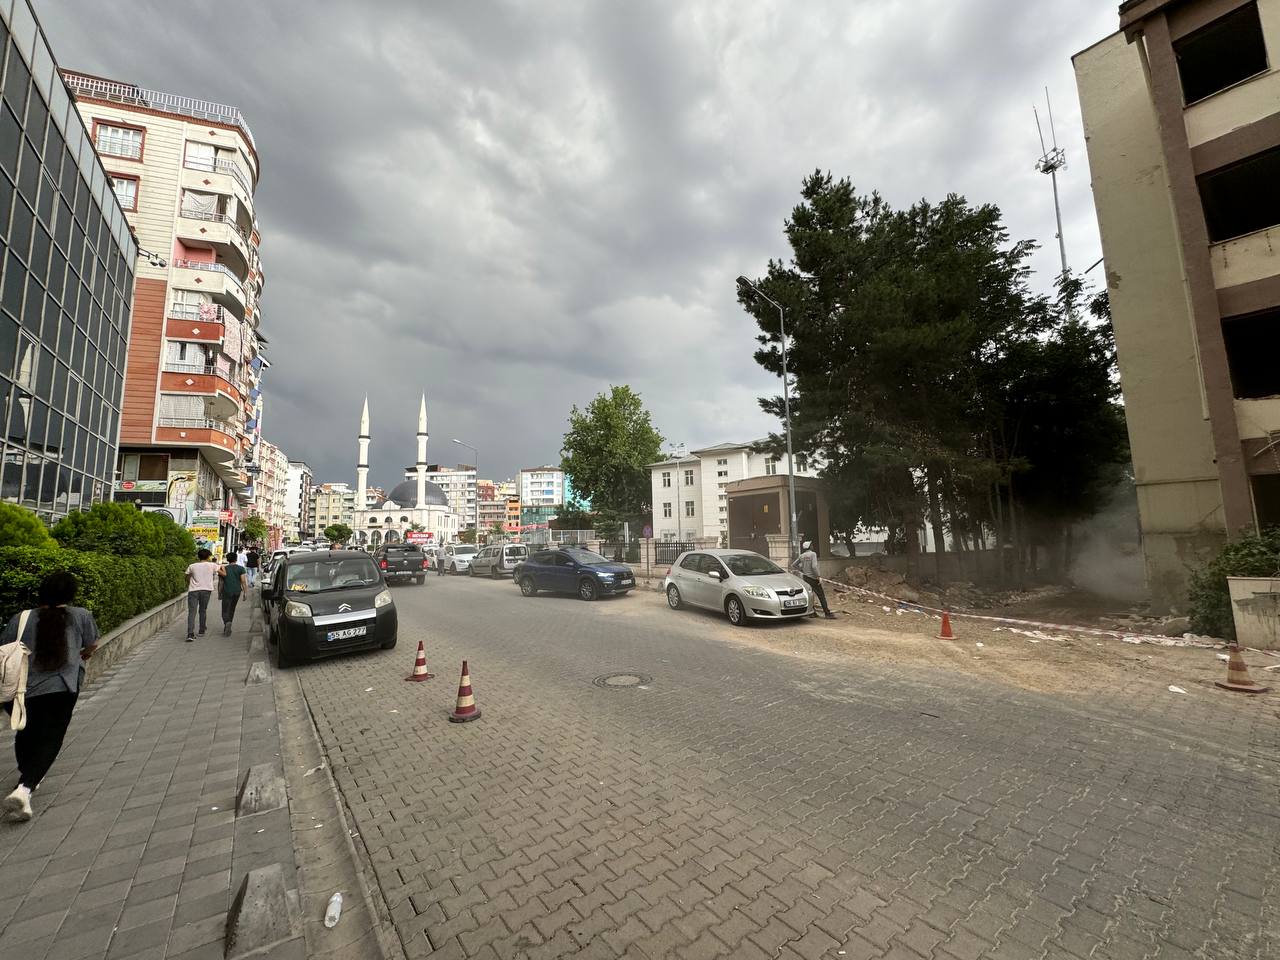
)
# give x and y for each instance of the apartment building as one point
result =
(297, 500)
(689, 492)
(66, 292)
(331, 503)
(184, 171)
(1181, 111)
(542, 494)
(270, 488)
(459, 485)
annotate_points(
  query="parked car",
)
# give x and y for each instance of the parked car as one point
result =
(402, 561)
(573, 570)
(457, 557)
(498, 559)
(742, 584)
(323, 603)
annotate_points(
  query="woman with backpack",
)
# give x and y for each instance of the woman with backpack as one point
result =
(60, 637)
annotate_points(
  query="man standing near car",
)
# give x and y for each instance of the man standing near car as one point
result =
(807, 564)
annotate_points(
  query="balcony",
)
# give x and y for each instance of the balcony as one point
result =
(216, 171)
(216, 436)
(199, 380)
(186, 321)
(219, 233)
(215, 279)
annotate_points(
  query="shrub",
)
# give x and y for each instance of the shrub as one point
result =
(120, 529)
(177, 540)
(113, 589)
(1210, 599)
(22, 528)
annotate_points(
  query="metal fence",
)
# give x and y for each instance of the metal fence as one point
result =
(666, 551)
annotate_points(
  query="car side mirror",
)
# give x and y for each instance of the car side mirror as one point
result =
(714, 574)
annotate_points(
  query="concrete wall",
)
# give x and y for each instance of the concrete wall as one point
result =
(121, 641)
(1179, 499)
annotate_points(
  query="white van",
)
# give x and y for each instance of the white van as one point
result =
(498, 559)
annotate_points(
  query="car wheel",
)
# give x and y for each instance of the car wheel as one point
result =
(279, 657)
(587, 589)
(390, 644)
(733, 609)
(471, 571)
(495, 573)
(673, 597)
(527, 586)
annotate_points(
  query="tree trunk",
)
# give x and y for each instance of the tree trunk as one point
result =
(932, 478)
(911, 527)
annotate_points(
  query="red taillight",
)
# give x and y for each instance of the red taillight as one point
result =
(426, 564)
(382, 565)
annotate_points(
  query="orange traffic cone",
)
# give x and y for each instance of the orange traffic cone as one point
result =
(466, 709)
(420, 666)
(945, 633)
(1238, 674)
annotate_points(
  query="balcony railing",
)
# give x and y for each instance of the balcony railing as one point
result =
(115, 92)
(125, 147)
(215, 218)
(212, 266)
(196, 311)
(198, 423)
(201, 369)
(219, 166)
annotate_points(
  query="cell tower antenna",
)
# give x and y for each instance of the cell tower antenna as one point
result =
(1051, 161)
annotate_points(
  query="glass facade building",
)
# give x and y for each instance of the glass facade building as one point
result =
(65, 292)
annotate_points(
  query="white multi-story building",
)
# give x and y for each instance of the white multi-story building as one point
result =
(269, 490)
(459, 485)
(542, 493)
(689, 496)
(331, 503)
(297, 500)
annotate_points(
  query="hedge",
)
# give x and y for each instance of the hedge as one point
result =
(114, 589)
(1251, 556)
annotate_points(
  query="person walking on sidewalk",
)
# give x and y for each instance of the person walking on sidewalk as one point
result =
(61, 637)
(251, 561)
(234, 579)
(201, 576)
(807, 564)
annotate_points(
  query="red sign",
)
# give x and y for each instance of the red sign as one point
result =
(418, 536)
(226, 516)
(126, 485)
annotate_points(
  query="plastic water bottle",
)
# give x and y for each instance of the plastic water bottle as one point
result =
(333, 911)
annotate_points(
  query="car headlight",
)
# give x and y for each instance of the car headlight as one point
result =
(760, 593)
(383, 599)
(605, 576)
(295, 609)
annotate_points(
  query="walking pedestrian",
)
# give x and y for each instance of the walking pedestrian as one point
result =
(201, 577)
(234, 580)
(807, 564)
(61, 638)
(251, 561)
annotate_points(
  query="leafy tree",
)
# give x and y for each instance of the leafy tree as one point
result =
(467, 536)
(22, 528)
(417, 528)
(573, 516)
(177, 539)
(115, 528)
(1249, 556)
(337, 533)
(607, 449)
(496, 532)
(255, 529)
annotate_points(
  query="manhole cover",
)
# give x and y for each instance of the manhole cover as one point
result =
(610, 680)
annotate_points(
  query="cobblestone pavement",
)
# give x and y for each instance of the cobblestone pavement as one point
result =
(135, 848)
(745, 803)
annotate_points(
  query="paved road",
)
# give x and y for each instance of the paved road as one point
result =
(746, 803)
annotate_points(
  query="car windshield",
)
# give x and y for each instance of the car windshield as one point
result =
(749, 565)
(317, 576)
(463, 551)
(587, 557)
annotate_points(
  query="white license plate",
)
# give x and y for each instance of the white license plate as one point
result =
(348, 633)
(625, 583)
(795, 603)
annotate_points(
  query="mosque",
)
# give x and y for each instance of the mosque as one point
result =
(415, 503)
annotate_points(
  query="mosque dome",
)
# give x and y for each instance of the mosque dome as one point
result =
(406, 495)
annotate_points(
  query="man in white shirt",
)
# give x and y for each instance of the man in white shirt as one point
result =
(201, 576)
(807, 564)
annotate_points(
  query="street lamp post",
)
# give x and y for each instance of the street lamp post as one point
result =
(786, 409)
(475, 454)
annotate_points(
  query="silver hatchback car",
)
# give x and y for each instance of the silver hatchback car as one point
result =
(745, 585)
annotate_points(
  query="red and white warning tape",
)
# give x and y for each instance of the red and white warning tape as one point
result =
(1039, 625)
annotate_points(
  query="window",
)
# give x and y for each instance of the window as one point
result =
(688, 478)
(666, 509)
(115, 141)
(126, 189)
(722, 473)
(722, 463)
(1221, 54)
(688, 508)
(1251, 343)
(666, 478)
(1266, 500)
(200, 156)
(771, 467)
(1241, 198)
(724, 509)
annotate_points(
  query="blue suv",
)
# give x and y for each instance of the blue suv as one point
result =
(573, 570)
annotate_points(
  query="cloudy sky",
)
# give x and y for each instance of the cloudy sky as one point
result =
(512, 205)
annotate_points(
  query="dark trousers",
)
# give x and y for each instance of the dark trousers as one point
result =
(229, 601)
(197, 600)
(37, 745)
(816, 586)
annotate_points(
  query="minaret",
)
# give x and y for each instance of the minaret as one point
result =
(422, 454)
(362, 465)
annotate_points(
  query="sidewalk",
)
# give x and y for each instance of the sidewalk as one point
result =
(135, 850)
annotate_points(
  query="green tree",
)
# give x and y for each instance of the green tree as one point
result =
(20, 527)
(606, 451)
(116, 528)
(496, 532)
(337, 533)
(467, 536)
(573, 516)
(255, 529)
(1249, 556)
(177, 539)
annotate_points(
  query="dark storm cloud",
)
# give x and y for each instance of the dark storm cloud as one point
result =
(511, 205)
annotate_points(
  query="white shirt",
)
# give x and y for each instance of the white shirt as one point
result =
(202, 574)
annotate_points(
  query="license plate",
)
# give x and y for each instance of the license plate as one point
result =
(348, 633)
(625, 583)
(795, 603)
